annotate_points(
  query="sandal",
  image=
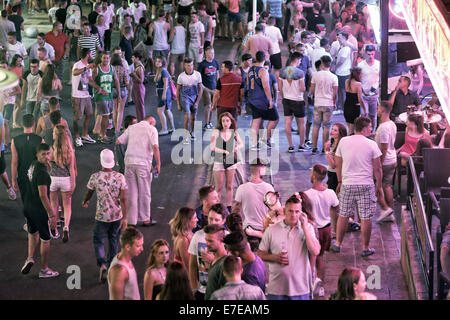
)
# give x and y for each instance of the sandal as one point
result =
(354, 226)
(368, 252)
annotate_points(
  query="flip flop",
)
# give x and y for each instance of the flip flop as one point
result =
(335, 248)
(354, 226)
(367, 253)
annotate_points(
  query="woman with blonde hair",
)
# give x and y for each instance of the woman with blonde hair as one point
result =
(62, 174)
(181, 228)
(155, 275)
(164, 92)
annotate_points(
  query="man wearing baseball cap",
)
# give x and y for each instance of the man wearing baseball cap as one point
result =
(111, 214)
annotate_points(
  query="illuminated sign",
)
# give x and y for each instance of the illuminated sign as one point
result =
(432, 37)
(396, 9)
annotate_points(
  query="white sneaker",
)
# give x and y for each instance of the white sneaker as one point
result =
(88, 139)
(78, 142)
(384, 214)
(27, 266)
(48, 273)
(11, 194)
(187, 141)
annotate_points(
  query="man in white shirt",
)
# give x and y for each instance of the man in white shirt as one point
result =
(15, 47)
(325, 205)
(110, 20)
(250, 199)
(196, 39)
(355, 172)
(385, 139)
(137, 9)
(274, 34)
(324, 86)
(81, 99)
(370, 80)
(142, 146)
(40, 42)
(318, 53)
(122, 11)
(343, 66)
(287, 247)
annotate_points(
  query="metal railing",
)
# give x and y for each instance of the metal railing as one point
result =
(422, 232)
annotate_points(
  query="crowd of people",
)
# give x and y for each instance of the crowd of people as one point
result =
(248, 244)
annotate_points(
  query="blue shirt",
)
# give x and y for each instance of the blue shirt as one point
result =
(160, 86)
(275, 8)
(209, 70)
(256, 95)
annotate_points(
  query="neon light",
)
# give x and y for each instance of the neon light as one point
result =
(395, 13)
(375, 20)
(432, 37)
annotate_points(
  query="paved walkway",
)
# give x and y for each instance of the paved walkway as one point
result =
(294, 175)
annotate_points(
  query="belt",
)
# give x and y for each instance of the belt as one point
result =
(329, 224)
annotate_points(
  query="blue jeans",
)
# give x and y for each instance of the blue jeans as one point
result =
(103, 231)
(281, 297)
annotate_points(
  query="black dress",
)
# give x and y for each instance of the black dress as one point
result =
(352, 108)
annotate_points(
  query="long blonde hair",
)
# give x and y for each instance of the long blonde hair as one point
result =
(179, 225)
(62, 146)
(159, 70)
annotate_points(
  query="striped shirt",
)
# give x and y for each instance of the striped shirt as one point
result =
(91, 42)
(275, 8)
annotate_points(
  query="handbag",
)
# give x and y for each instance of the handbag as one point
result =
(173, 89)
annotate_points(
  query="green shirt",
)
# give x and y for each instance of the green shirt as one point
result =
(105, 80)
(216, 279)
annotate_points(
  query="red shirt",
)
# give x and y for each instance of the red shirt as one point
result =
(58, 43)
(229, 85)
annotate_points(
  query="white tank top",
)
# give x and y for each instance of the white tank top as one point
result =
(179, 41)
(160, 40)
(131, 288)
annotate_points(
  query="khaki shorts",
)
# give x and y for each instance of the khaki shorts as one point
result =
(194, 54)
(207, 96)
(176, 58)
(388, 173)
(81, 106)
(322, 115)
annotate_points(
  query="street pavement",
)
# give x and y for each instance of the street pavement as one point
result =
(176, 186)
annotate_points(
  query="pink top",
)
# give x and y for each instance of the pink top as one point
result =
(410, 144)
(234, 5)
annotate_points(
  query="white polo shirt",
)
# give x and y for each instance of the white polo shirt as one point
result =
(295, 278)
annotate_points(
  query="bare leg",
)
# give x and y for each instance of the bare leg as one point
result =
(5, 179)
(87, 120)
(382, 201)
(45, 252)
(350, 128)
(229, 186)
(256, 123)
(67, 205)
(325, 135)
(169, 116)
(366, 231)
(342, 224)
(162, 118)
(115, 110)
(270, 126)
(193, 115)
(307, 130)
(315, 135)
(103, 124)
(320, 267)
(301, 129)
(388, 194)
(218, 179)
(287, 129)
(33, 240)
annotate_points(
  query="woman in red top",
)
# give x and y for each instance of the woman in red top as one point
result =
(414, 132)
(181, 228)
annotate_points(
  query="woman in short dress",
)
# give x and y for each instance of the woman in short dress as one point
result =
(353, 100)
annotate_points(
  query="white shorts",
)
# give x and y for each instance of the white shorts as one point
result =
(220, 167)
(60, 183)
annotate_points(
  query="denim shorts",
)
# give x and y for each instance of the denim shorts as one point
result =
(123, 93)
(188, 106)
(234, 17)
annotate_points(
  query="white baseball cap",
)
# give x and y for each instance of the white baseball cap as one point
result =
(107, 159)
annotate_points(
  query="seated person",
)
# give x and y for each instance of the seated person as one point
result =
(402, 97)
(414, 132)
